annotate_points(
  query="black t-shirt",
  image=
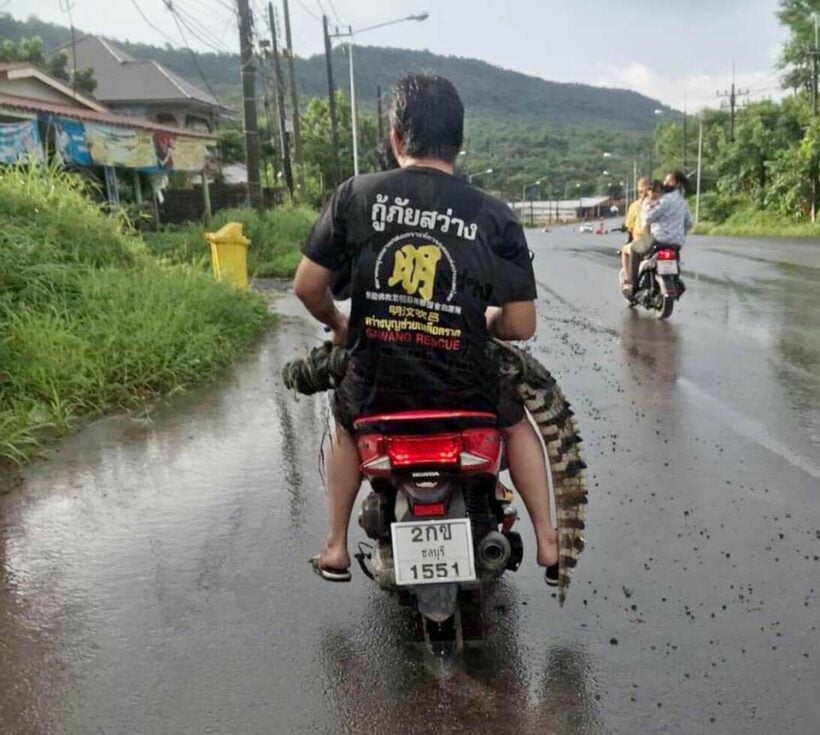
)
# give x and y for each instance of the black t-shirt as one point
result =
(421, 254)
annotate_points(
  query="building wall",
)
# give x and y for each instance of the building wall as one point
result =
(168, 114)
(33, 89)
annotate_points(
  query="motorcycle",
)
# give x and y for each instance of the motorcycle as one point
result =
(439, 519)
(658, 284)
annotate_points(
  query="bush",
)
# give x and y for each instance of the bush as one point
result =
(276, 236)
(752, 222)
(89, 321)
(717, 208)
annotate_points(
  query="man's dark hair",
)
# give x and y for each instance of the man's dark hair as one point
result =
(384, 155)
(428, 116)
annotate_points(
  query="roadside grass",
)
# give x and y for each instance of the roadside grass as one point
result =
(754, 223)
(276, 236)
(90, 322)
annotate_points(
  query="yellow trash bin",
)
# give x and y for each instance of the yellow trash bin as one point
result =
(229, 254)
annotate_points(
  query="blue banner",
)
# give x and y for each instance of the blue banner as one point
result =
(71, 142)
(20, 142)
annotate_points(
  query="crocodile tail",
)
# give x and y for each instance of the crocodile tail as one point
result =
(554, 417)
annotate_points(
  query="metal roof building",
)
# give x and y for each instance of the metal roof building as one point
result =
(145, 89)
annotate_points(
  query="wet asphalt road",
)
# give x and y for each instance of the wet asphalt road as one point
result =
(154, 575)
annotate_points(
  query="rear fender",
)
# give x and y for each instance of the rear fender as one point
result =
(437, 602)
(668, 285)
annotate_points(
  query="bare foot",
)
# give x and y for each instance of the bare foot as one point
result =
(547, 554)
(334, 556)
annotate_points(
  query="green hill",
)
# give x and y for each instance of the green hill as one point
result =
(488, 91)
(518, 124)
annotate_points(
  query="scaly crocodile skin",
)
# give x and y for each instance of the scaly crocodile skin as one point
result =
(555, 419)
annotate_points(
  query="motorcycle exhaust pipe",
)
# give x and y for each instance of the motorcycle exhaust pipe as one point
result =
(493, 552)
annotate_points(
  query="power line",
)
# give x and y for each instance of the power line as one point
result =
(732, 94)
(335, 14)
(203, 9)
(199, 31)
(169, 5)
(207, 8)
(309, 11)
(148, 21)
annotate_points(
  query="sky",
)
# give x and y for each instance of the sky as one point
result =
(672, 51)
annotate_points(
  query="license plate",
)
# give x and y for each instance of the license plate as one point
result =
(433, 552)
(667, 267)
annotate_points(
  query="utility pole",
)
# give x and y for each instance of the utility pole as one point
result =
(294, 103)
(249, 104)
(331, 102)
(269, 121)
(353, 122)
(684, 134)
(700, 167)
(280, 101)
(379, 120)
(815, 187)
(732, 94)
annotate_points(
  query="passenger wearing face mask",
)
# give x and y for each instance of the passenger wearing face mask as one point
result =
(670, 220)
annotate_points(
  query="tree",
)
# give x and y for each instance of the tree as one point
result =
(232, 145)
(317, 149)
(30, 50)
(797, 16)
(56, 67)
(84, 81)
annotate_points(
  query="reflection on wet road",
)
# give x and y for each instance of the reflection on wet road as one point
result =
(154, 575)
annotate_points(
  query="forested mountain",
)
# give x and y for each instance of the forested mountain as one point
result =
(488, 91)
(521, 126)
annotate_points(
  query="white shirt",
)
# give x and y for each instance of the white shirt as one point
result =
(669, 220)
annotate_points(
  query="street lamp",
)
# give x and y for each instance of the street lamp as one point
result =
(524, 196)
(478, 173)
(528, 186)
(658, 113)
(351, 35)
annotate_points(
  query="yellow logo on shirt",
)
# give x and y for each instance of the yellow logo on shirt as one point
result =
(415, 268)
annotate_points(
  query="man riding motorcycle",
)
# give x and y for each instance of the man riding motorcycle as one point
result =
(436, 267)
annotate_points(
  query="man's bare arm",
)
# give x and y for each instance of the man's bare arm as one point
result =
(515, 320)
(311, 284)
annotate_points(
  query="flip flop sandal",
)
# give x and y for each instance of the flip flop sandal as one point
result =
(329, 574)
(551, 576)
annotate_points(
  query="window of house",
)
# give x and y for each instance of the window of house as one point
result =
(197, 122)
(166, 118)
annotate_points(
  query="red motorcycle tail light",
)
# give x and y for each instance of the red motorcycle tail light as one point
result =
(429, 510)
(370, 446)
(482, 450)
(667, 254)
(409, 451)
(474, 450)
